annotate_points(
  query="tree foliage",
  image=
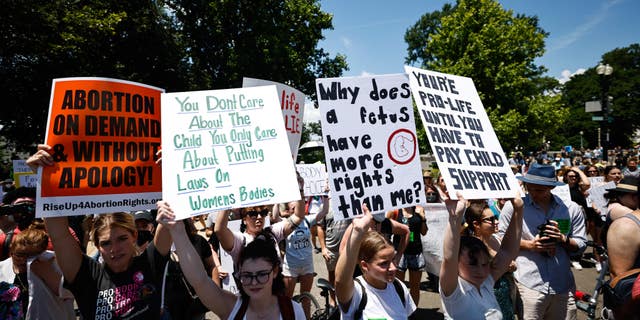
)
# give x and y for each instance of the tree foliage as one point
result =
(493, 46)
(175, 45)
(624, 89)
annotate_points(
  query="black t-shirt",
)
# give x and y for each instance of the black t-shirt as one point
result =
(179, 293)
(415, 243)
(132, 294)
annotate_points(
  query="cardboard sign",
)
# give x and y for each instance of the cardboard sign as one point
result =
(225, 149)
(315, 178)
(23, 176)
(104, 134)
(437, 220)
(20, 166)
(462, 139)
(563, 193)
(596, 194)
(292, 107)
(370, 144)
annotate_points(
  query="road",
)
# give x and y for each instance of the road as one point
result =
(430, 307)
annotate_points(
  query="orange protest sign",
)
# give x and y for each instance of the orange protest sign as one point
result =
(105, 134)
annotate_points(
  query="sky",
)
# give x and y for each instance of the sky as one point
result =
(371, 33)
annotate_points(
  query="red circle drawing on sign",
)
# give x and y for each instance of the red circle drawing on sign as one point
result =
(401, 146)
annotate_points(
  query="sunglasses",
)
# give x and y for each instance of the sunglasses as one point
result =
(491, 220)
(254, 214)
(261, 277)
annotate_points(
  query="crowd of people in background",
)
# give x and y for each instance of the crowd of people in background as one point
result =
(501, 258)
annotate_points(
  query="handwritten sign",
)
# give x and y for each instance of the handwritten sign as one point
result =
(292, 107)
(370, 144)
(563, 193)
(462, 139)
(224, 149)
(104, 134)
(23, 176)
(596, 194)
(315, 178)
(437, 220)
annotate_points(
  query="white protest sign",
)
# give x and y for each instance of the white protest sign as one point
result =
(20, 166)
(370, 144)
(596, 194)
(594, 181)
(462, 139)
(224, 149)
(437, 220)
(563, 193)
(315, 178)
(23, 176)
(292, 106)
(26, 180)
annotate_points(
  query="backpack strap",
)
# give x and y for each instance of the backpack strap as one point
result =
(363, 301)
(286, 307)
(399, 290)
(633, 217)
(621, 276)
(243, 309)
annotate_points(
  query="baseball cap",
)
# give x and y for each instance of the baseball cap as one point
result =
(143, 214)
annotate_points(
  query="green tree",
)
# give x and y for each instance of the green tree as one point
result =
(267, 39)
(175, 45)
(624, 89)
(43, 40)
(493, 46)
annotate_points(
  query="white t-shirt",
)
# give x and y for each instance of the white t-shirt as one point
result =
(297, 311)
(381, 304)
(466, 298)
(242, 239)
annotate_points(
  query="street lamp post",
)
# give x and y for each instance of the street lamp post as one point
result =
(581, 133)
(605, 71)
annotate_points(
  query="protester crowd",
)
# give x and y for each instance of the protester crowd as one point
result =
(501, 258)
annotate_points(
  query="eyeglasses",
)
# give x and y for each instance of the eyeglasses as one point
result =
(261, 276)
(592, 171)
(491, 220)
(254, 214)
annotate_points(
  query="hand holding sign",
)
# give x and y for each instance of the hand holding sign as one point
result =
(41, 158)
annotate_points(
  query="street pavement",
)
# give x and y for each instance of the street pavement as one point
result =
(430, 307)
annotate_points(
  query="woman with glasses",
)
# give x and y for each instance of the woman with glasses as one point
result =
(483, 224)
(591, 171)
(258, 275)
(470, 269)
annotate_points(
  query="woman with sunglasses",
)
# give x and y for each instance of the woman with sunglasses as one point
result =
(483, 224)
(258, 275)
(254, 219)
(469, 270)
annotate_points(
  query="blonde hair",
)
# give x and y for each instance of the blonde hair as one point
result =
(372, 243)
(112, 220)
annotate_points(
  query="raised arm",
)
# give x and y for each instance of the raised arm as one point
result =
(162, 239)
(510, 246)
(293, 221)
(419, 210)
(224, 234)
(66, 247)
(451, 245)
(213, 297)
(347, 262)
